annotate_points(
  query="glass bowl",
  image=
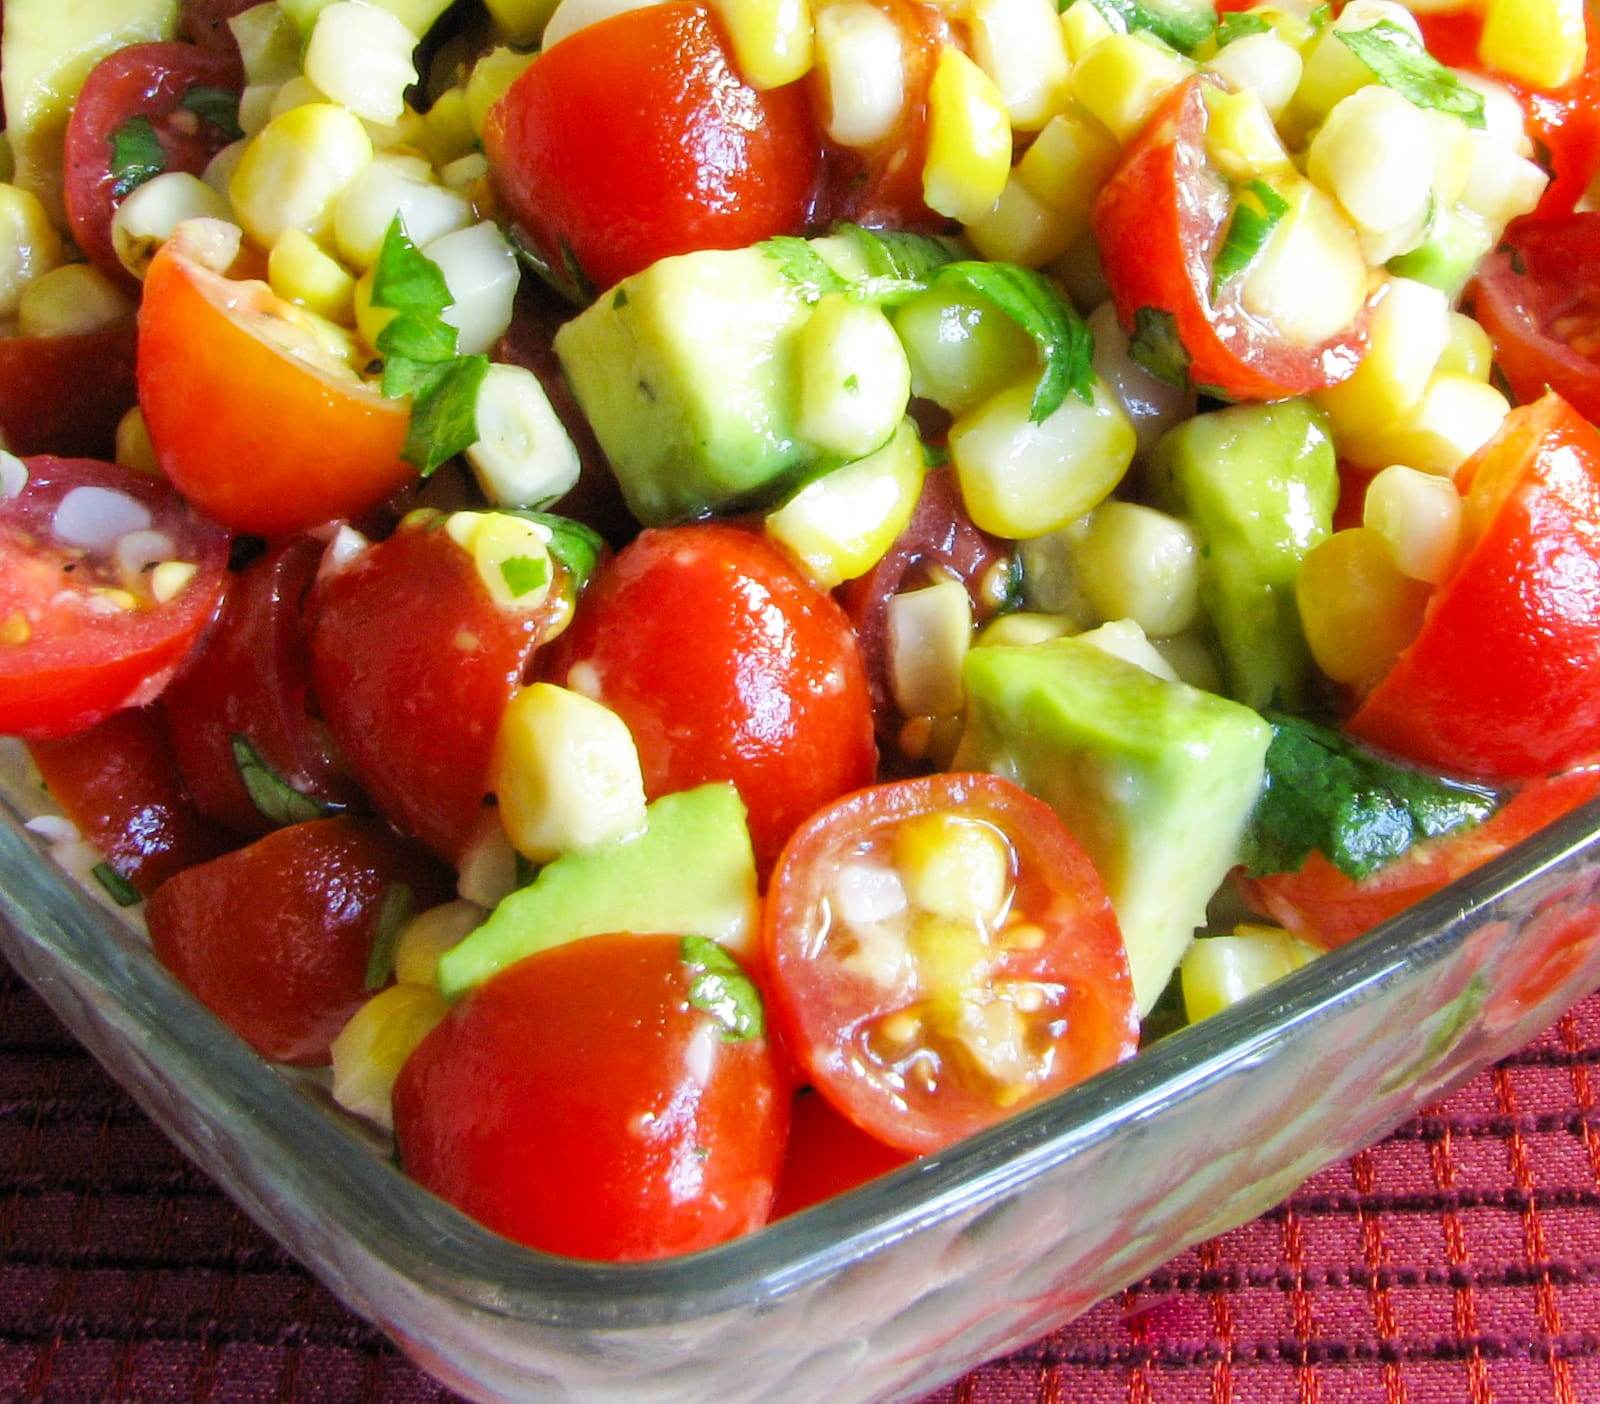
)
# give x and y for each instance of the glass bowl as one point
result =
(898, 1287)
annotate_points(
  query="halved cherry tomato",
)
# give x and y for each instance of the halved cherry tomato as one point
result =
(1323, 905)
(1160, 222)
(949, 1002)
(584, 1101)
(142, 80)
(727, 664)
(119, 783)
(695, 159)
(1538, 297)
(827, 1156)
(252, 680)
(1503, 682)
(253, 420)
(205, 23)
(65, 394)
(275, 939)
(80, 638)
(413, 663)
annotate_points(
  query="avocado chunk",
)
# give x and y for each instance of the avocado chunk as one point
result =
(1259, 484)
(1155, 779)
(47, 51)
(687, 372)
(691, 873)
(1446, 258)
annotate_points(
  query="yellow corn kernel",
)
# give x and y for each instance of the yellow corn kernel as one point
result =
(1357, 609)
(428, 935)
(447, 133)
(1140, 564)
(29, 244)
(1022, 629)
(1241, 139)
(1540, 42)
(1219, 971)
(490, 80)
(1408, 331)
(1122, 81)
(1019, 44)
(854, 378)
(1455, 417)
(370, 320)
(1022, 229)
(134, 449)
(1068, 163)
(1419, 517)
(771, 39)
(1083, 25)
(299, 271)
(512, 555)
(521, 21)
(1467, 349)
(930, 631)
(69, 301)
(954, 867)
(169, 579)
(293, 171)
(969, 140)
(372, 1048)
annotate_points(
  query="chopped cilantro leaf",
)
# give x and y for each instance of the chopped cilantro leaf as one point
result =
(1240, 25)
(525, 574)
(803, 266)
(1156, 345)
(137, 155)
(218, 106)
(274, 796)
(718, 987)
(117, 887)
(1256, 213)
(1399, 62)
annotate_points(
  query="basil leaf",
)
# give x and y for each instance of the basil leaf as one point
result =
(1399, 62)
(803, 266)
(1184, 26)
(394, 911)
(274, 796)
(1031, 301)
(117, 887)
(524, 574)
(1256, 212)
(718, 987)
(405, 279)
(137, 155)
(1156, 345)
(1240, 25)
(444, 413)
(218, 106)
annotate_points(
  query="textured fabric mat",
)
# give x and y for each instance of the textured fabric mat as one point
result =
(1456, 1263)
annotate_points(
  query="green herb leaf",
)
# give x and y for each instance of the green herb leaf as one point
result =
(718, 987)
(1031, 301)
(394, 911)
(444, 413)
(405, 279)
(1328, 795)
(524, 574)
(117, 887)
(1399, 62)
(218, 106)
(274, 796)
(137, 155)
(1156, 345)
(573, 546)
(1256, 212)
(1184, 26)
(1318, 19)
(1240, 25)
(803, 266)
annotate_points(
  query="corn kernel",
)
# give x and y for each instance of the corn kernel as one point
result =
(134, 449)
(1408, 330)
(1262, 64)
(1019, 44)
(394, 185)
(1021, 229)
(1219, 971)
(1023, 629)
(361, 56)
(1310, 280)
(573, 15)
(855, 382)
(1192, 659)
(428, 935)
(969, 140)
(269, 43)
(521, 21)
(512, 555)
(490, 80)
(69, 301)
(1467, 349)
(1419, 517)
(1332, 71)
(860, 63)
(1357, 610)
(771, 39)
(300, 272)
(147, 218)
(1068, 163)
(930, 631)
(1139, 564)
(29, 245)
(1123, 79)
(1124, 639)
(524, 456)
(1375, 154)
(295, 169)
(1241, 140)
(482, 274)
(1084, 24)
(1455, 417)
(954, 867)
(1539, 42)
(372, 1048)
(169, 580)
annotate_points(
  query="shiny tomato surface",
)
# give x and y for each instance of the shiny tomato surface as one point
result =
(581, 1102)
(726, 664)
(274, 939)
(827, 1155)
(65, 394)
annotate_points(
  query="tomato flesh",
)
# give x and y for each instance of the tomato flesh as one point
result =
(827, 1156)
(66, 394)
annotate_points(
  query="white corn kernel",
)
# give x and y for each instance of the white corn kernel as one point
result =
(1019, 44)
(1374, 155)
(69, 301)
(854, 379)
(1500, 185)
(220, 168)
(930, 631)
(1418, 515)
(969, 139)
(771, 39)
(488, 870)
(299, 91)
(1262, 64)
(1467, 350)
(371, 1049)
(269, 43)
(481, 272)
(394, 185)
(524, 456)
(462, 174)
(361, 56)
(1152, 406)
(1139, 564)
(1022, 229)
(572, 15)
(147, 218)
(1022, 629)
(29, 244)
(1124, 639)
(1503, 117)
(1123, 79)
(1310, 280)
(428, 935)
(295, 169)
(255, 107)
(861, 64)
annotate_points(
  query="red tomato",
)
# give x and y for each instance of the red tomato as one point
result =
(1320, 903)
(1160, 222)
(252, 679)
(726, 664)
(695, 159)
(119, 783)
(253, 426)
(72, 654)
(65, 394)
(581, 1102)
(1538, 297)
(1503, 681)
(827, 1156)
(275, 938)
(413, 664)
(142, 80)
(927, 1026)
(205, 23)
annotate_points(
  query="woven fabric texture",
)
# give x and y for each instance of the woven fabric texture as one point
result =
(1456, 1263)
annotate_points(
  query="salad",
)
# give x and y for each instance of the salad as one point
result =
(703, 598)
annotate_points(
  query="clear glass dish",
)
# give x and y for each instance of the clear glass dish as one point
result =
(900, 1286)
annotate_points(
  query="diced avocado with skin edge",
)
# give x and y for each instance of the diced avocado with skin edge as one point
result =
(1259, 484)
(1446, 259)
(691, 873)
(1154, 778)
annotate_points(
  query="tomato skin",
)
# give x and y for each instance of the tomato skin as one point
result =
(120, 784)
(81, 664)
(716, 165)
(726, 664)
(557, 1105)
(252, 678)
(147, 80)
(1503, 682)
(204, 23)
(413, 665)
(274, 939)
(1160, 221)
(253, 436)
(827, 1156)
(65, 394)
(1328, 908)
(1559, 259)
(827, 1009)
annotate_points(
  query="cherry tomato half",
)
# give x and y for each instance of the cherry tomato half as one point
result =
(827, 1156)
(942, 954)
(694, 159)
(727, 664)
(81, 634)
(149, 81)
(1160, 222)
(205, 24)
(65, 394)
(583, 1102)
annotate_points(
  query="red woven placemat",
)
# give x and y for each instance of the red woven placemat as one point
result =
(1456, 1263)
